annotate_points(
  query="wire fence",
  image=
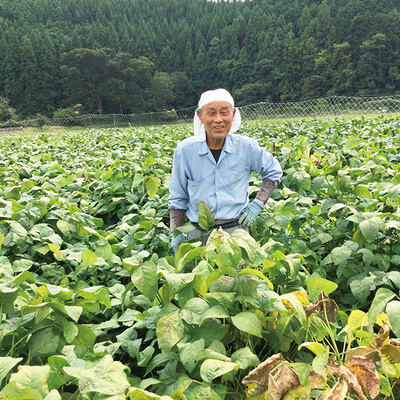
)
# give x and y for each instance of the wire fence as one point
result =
(323, 107)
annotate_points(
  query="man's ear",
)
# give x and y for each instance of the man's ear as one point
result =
(200, 115)
(234, 110)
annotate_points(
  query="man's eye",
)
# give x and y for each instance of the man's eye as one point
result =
(211, 113)
(224, 113)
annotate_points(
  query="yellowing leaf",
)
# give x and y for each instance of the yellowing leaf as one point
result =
(383, 319)
(357, 318)
(55, 250)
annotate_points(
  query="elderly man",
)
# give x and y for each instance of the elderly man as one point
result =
(214, 166)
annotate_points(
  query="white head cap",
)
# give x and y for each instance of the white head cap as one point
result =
(208, 97)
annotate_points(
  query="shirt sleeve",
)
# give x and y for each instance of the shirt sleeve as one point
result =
(265, 164)
(178, 194)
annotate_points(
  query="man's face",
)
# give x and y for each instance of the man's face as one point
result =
(217, 118)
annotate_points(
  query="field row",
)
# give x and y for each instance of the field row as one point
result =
(95, 305)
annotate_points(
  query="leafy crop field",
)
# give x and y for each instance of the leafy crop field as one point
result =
(95, 305)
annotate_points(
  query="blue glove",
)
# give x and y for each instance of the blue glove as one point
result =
(176, 241)
(250, 212)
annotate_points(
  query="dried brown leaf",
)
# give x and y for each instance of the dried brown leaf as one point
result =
(352, 381)
(298, 393)
(363, 351)
(339, 391)
(328, 306)
(318, 379)
(310, 309)
(395, 342)
(261, 372)
(345, 373)
(382, 336)
(281, 380)
(393, 352)
(260, 375)
(367, 376)
(323, 305)
(333, 366)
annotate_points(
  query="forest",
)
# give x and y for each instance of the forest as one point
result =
(134, 56)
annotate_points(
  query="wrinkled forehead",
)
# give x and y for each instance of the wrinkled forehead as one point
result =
(217, 106)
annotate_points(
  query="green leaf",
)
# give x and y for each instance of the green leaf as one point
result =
(188, 353)
(208, 354)
(206, 218)
(98, 293)
(258, 273)
(7, 364)
(65, 227)
(393, 313)
(211, 329)
(44, 342)
(85, 338)
(141, 394)
(88, 257)
(193, 310)
(211, 369)
(382, 297)
(370, 228)
(340, 254)
(245, 358)
(176, 281)
(248, 322)
(53, 395)
(252, 252)
(303, 179)
(70, 331)
(14, 392)
(394, 276)
(7, 297)
(145, 279)
(317, 285)
(351, 143)
(34, 377)
(229, 252)
(303, 372)
(63, 180)
(169, 331)
(393, 196)
(203, 392)
(321, 361)
(224, 299)
(1, 239)
(106, 377)
(214, 312)
(152, 185)
(363, 192)
(24, 276)
(104, 251)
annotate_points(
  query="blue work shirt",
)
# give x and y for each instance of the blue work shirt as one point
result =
(224, 186)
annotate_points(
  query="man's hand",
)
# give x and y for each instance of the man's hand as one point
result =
(176, 241)
(250, 212)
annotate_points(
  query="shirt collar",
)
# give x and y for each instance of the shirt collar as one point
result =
(202, 147)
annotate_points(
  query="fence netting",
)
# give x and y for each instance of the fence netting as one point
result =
(335, 106)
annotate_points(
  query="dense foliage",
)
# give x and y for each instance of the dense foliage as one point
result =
(94, 305)
(259, 49)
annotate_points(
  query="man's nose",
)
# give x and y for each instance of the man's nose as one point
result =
(218, 116)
